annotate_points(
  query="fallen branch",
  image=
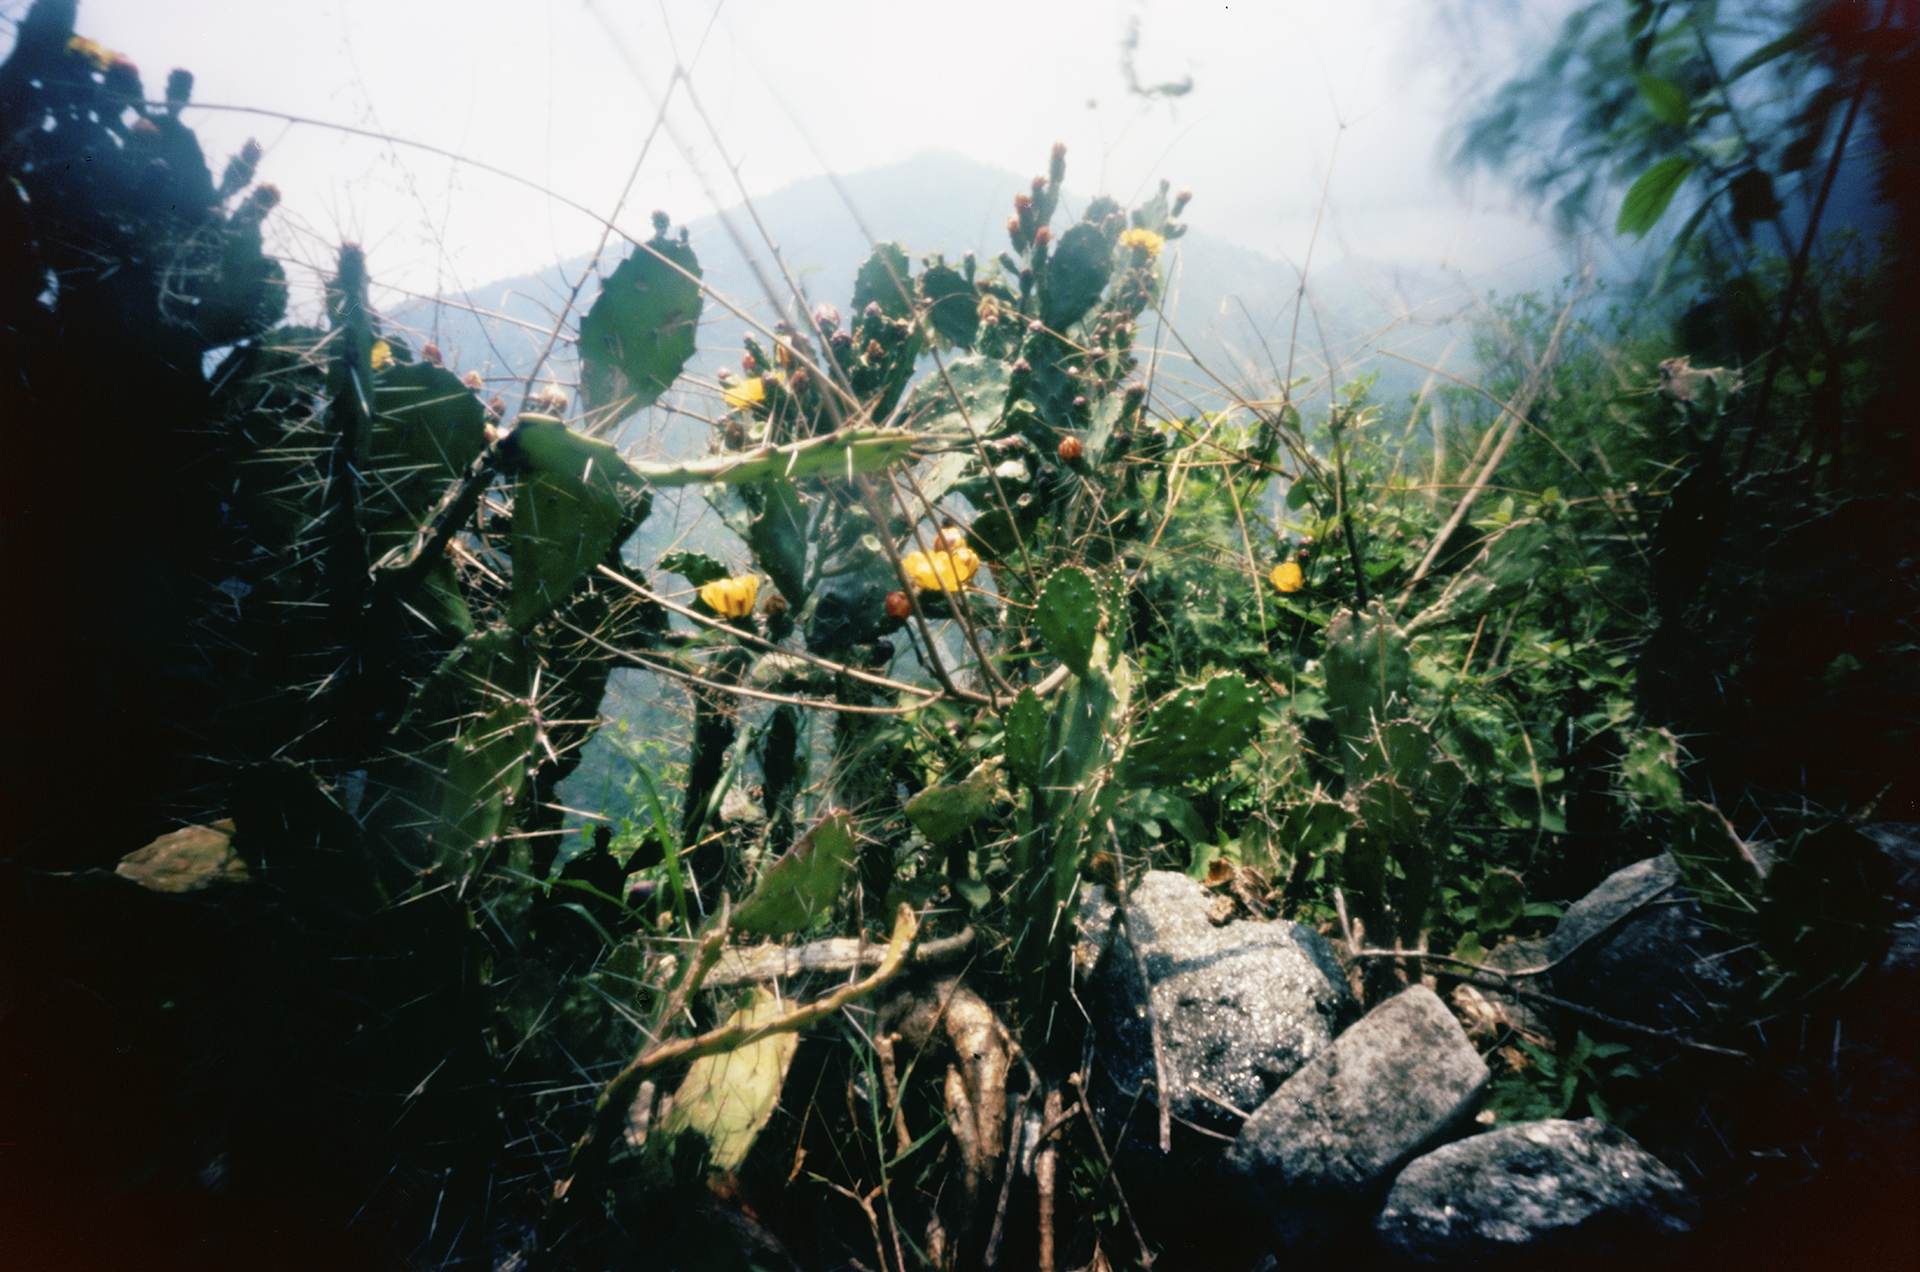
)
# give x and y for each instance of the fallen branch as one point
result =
(746, 966)
(589, 1154)
(1483, 977)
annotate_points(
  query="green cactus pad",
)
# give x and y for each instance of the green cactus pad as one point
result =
(800, 888)
(1076, 274)
(943, 813)
(884, 279)
(1367, 667)
(952, 304)
(966, 402)
(841, 454)
(778, 537)
(1195, 732)
(1026, 737)
(697, 568)
(567, 510)
(1069, 617)
(640, 332)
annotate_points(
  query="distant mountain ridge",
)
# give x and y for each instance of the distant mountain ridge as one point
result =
(1233, 308)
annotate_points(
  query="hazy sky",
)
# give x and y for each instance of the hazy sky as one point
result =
(565, 95)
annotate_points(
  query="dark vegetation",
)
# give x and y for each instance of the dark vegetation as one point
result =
(302, 612)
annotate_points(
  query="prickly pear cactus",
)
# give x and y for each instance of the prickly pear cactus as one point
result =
(1069, 615)
(567, 511)
(1026, 737)
(640, 332)
(1195, 733)
(1367, 666)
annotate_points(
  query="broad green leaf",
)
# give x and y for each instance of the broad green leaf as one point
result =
(1772, 49)
(727, 1098)
(1503, 898)
(1664, 98)
(799, 889)
(640, 331)
(1649, 196)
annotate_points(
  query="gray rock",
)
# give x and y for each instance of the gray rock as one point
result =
(1638, 948)
(1240, 1007)
(1316, 1157)
(1537, 1194)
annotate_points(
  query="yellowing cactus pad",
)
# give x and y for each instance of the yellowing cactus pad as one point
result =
(948, 569)
(731, 598)
(1288, 577)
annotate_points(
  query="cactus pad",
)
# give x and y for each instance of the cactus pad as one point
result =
(1069, 614)
(1195, 732)
(640, 332)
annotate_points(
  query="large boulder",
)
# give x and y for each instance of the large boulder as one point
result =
(1240, 1007)
(1553, 1194)
(1317, 1156)
(1638, 948)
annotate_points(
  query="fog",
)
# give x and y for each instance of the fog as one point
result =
(466, 142)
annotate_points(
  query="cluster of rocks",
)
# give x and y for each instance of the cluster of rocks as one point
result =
(1294, 1126)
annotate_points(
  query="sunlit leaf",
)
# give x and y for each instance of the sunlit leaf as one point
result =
(1649, 196)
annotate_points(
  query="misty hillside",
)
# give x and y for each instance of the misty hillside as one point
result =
(1233, 313)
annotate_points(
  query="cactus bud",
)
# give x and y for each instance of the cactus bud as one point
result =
(145, 129)
(1057, 163)
(1070, 450)
(124, 77)
(898, 605)
(496, 406)
(826, 318)
(262, 201)
(1136, 393)
(874, 352)
(1023, 203)
(179, 88)
(660, 223)
(431, 352)
(473, 381)
(1180, 201)
(1022, 367)
(1039, 187)
(1042, 236)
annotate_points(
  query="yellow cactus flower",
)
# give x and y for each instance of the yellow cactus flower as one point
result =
(731, 598)
(1146, 241)
(382, 354)
(947, 568)
(98, 55)
(1288, 576)
(748, 393)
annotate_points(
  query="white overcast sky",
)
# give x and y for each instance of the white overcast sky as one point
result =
(1289, 96)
